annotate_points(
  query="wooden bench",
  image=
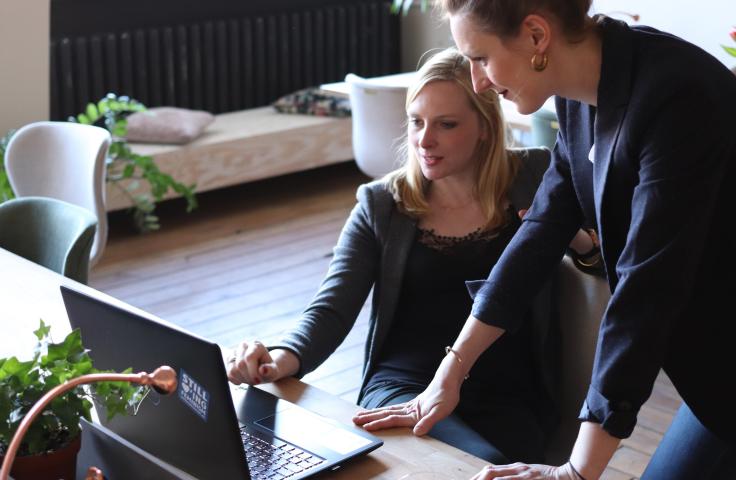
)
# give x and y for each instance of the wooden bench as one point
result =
(248, 145)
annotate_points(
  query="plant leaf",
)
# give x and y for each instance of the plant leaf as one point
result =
(43, 331)
(731, 50)
(92, 113)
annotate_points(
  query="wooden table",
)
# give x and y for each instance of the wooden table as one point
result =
(29, 292)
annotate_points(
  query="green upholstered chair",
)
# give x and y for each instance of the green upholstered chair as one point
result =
(50, 232)
(62, 160)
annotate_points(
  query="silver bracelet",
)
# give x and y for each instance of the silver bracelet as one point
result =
(449, 350)
(575, 471)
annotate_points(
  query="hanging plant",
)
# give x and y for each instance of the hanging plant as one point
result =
(126, 170)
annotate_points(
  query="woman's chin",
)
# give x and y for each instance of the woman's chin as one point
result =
(430, 173)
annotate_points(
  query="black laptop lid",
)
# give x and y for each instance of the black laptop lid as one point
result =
(195, 428)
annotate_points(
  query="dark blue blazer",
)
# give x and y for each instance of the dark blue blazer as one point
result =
(658, 185)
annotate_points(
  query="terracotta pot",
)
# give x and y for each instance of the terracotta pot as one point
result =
(59, 464)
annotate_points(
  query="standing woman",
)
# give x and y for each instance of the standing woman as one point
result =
(647, 151)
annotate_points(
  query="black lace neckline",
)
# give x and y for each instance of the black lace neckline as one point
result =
(431, 239)
(445, 243)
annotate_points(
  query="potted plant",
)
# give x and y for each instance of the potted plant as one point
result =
(51, 444)
(126, 170)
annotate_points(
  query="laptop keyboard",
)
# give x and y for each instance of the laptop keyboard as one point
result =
(275, 459)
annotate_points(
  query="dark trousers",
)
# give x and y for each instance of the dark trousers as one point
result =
(496, 432)
(690, 451)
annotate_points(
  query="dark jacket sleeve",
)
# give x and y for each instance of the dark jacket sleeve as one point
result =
(534, 252)
(352, 272)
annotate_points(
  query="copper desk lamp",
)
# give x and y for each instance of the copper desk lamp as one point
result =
(163, 380)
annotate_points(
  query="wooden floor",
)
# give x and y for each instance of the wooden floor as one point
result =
(247, 262)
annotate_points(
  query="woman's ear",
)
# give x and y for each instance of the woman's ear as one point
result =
(537, 31)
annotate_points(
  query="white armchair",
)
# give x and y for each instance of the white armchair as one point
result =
(62, 160)
(379, 120)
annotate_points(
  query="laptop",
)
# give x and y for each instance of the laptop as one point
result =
(198, 428)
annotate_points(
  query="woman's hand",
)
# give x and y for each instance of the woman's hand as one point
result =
(252, 363)
(422, 413)
(519, 471)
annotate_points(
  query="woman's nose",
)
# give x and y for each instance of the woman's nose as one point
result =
(426, 138)
(481, 83)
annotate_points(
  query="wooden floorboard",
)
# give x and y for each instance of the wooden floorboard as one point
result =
(247, 262)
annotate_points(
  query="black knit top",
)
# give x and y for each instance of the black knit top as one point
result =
(433, 306)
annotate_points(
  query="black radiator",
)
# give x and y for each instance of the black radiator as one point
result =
(214, 55)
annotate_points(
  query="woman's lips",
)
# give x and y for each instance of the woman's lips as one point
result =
(430, 160)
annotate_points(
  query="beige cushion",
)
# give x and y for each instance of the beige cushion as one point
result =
(167, 125)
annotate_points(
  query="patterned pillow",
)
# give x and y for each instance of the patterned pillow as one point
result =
(313, 101)
(167, 125)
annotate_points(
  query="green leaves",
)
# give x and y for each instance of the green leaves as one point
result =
(43, 331)
(125, 165)
(24, 383)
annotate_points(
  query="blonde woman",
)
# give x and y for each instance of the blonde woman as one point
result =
(416, 237)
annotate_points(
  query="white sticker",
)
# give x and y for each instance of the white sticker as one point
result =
(194, 395)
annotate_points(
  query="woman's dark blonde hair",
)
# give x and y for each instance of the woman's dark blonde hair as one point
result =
(504, 17)
(495, 168)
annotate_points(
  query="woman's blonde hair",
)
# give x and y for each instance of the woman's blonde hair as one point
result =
(495, 169)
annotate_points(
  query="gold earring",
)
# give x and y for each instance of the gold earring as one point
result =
(537, 64)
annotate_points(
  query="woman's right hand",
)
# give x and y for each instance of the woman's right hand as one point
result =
(252, 363)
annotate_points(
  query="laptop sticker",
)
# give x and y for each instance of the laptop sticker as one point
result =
(194, 395)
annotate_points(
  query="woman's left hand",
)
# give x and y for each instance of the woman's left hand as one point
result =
(522, 471)
(429, 407)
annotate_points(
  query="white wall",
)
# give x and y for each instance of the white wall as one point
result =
(705, 23)
(421, 31)
(24, 62)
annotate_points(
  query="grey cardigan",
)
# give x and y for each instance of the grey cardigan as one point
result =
(371, 253)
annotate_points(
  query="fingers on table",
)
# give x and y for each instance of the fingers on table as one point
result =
(401, 415)
(516, 471)
(425, 423)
